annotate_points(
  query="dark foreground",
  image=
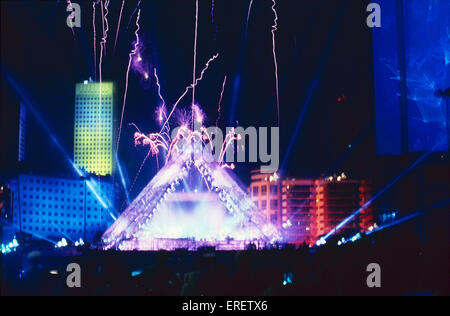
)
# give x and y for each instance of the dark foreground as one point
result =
(413, 258)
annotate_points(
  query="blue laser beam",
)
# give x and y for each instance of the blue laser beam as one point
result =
(376, 196)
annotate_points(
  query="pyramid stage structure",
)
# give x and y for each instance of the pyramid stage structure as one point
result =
(191, 203)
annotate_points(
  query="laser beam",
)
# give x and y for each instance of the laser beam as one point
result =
(376, 196)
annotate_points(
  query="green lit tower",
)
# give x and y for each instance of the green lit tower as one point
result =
(94, 127)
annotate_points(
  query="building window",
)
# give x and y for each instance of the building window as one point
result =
(255, 191)
(274, 204)
(274, 189)
(264, 190)
(264, 205)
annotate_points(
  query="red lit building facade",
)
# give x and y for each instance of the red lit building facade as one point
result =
(305, 209)
(266, 193)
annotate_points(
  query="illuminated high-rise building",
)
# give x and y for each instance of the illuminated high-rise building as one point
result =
(94, 127)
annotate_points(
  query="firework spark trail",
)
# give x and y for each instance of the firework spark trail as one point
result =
(206, 68)
(95, 37)
(189, 87)
(132, 14)
(163, 105)
(132, 53)
(212, 11)
(162, 116)
(118, 25)
(140, 170)
(227, 166)
(220, 100)
(274, 29)
(187, 135)
(248, 14)
(102, 47)
(207, 137)
(103, 42)
(159, 88)
(155, 141)
(150, 140)
(194, 83)
(229, 139)
(103, 17)
(135, 126)
(195, 56)
(72, 14)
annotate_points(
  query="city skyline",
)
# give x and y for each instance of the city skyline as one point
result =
(224, 148)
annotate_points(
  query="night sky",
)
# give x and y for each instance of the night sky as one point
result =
(323, 50)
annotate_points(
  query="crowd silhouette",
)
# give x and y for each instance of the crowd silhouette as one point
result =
(413, 258)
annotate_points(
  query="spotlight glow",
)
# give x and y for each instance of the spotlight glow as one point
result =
(191, 202)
